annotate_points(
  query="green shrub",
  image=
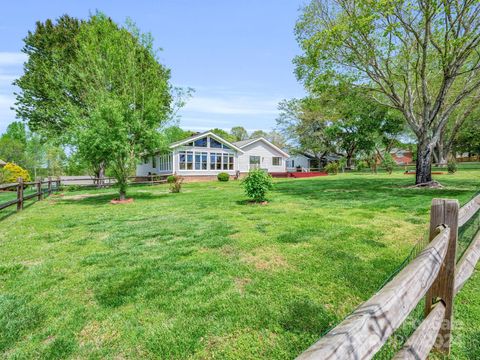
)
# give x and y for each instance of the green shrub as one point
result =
(452, 166)
(257, 184)
(332, 168)
(175, 182)
(362, 165)
(388, 164)
(223, 177)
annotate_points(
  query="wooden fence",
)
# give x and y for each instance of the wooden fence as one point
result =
(434, 274)
(44, 188)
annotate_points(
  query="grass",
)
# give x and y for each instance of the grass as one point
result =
(203, 274)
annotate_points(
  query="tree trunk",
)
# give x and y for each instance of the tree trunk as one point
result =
(101, 175)
(122, 195)
(442, 152)
(349, 161)
(424, 162)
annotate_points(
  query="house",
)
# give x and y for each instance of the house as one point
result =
(308, 162)
(205, 155)
(401, 156)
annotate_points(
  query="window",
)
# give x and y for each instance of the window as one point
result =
(201, 161)
(154, 162)
(215, 144)
(230, 162)
(185, 160)
(201, 142)
(276, 161)
(254, 160)
(189, 144)
(226, 147)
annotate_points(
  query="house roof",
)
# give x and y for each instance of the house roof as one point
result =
(243, 143)
(201, 135)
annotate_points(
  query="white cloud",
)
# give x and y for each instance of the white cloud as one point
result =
(12, 58)
(233, 105)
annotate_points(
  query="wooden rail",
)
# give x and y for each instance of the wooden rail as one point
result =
(432, 274)
(54, 185)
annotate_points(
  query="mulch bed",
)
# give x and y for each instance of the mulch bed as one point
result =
(117, 201)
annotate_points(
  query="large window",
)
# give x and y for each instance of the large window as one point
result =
(185, 160)
(201, 161)
(201, 142)
(215, 144)
(276, 161)
(221, 161)
(154, 161)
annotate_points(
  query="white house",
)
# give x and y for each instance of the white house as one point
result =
(207, 154)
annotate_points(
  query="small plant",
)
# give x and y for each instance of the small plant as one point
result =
(332, 168)
(223, 177)
(257, 184)
(452, 166)
(175, 182)
(388, 164)
(13, 172)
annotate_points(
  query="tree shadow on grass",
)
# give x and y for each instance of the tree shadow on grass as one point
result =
(102, 199)
(371, 193)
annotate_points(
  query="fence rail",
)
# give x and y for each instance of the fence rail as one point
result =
(44, 188)
(434, 274)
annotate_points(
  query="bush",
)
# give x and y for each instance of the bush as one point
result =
(388, 164)
(256, 184)
(452, 166)
(175, 182)
(223, 177)
(332, 168)
(12, 172)
(362, 165)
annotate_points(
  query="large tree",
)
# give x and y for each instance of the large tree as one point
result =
(109, 94)
(239, 133)
(419, 57)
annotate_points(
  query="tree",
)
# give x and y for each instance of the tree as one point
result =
(224, 134)
(418, 57)
(102, 91)
(258, 134)
(468, 139)
(239, 133)
(301, 122)
(126, 92)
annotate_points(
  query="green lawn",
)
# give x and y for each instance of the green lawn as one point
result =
(203, 274)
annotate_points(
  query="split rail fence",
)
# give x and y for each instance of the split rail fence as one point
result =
(434, 275)
(44, 188)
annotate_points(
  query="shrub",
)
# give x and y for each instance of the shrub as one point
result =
(452, 166)
(362, 165)
(12, 172)
(388, 164)
(223, 177)
(175, 182)
(256, 184)
(332, 168)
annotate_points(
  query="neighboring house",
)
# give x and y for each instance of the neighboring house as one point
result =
(207, 154)
(309, 162)
(401, 156)
(2, 163)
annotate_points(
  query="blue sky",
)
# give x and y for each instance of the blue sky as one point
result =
(237, 55)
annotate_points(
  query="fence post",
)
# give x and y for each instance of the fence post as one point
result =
(49, 185)
(39, 188)
(19, 194)
(58, 184)
(444, 212)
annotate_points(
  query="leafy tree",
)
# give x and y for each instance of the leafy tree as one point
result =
(239, 133)
(418, 57)
(224, 134)
(258, 134)
(97, 87)
(468, 139)
(277, 139)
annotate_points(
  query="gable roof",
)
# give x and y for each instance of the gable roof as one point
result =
(244, 143)
(201, 135)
